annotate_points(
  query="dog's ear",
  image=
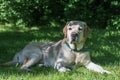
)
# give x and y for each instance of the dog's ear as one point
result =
(65, 30)
(86, 30)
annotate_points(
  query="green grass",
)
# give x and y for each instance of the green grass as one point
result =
(105, 46)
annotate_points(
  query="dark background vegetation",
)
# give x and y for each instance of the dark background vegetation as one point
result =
(97, 13)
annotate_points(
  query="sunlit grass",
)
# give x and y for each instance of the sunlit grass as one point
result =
(104, 45)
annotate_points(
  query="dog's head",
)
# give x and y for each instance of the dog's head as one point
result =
(76, 32)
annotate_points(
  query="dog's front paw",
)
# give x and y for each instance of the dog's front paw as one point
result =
(108, 72)
(40, 65)
(63, 69)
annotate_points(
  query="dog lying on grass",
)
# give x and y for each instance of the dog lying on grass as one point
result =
(61, 55)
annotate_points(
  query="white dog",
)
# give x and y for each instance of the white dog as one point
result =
(61, 55)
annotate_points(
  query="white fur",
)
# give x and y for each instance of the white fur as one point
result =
(63, 69)
(97, 68)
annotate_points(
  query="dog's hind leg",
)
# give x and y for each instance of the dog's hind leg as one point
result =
(29, 62)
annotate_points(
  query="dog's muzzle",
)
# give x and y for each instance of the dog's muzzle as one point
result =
(74, 37)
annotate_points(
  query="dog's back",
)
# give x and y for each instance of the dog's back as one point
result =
(21, 56)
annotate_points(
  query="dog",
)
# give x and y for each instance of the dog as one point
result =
(62, 55)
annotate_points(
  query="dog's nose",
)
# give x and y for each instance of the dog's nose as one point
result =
(74, 34)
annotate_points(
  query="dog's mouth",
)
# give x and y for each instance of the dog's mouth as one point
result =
(74, 38)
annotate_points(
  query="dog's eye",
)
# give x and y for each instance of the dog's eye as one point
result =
(70, 28)
(79, 28)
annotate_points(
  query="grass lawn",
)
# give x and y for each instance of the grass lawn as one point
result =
(104, 45)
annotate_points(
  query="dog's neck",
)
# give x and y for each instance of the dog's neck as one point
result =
(74, 46)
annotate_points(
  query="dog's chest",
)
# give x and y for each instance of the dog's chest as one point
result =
(70, 57)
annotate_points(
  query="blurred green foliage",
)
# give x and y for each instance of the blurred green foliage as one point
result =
(97, 13)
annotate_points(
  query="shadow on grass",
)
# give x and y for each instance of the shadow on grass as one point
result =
(35, 70)
(12, 42)
(10, 73)
(105, 45)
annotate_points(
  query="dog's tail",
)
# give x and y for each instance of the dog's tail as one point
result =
(15, 60)
(10, 63)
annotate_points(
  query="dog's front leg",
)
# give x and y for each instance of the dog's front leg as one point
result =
(59, 65)
(84, 59)
(97, 68)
